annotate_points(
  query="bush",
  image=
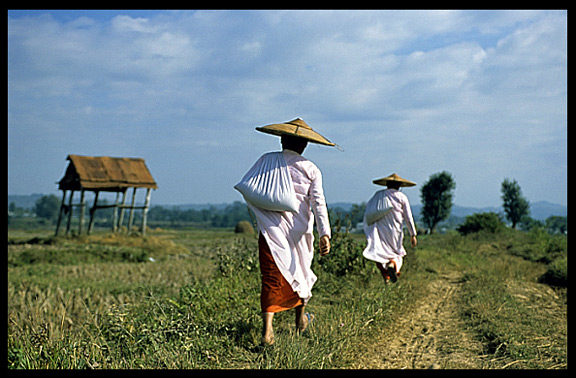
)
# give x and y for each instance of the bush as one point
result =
(235, 257)
(557, 273)
(538, 246)
(345, 255)
(244, 227)
(47, 207)
(489, 222)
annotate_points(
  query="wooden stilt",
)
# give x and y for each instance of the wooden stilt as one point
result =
(145, 211)
(92, 211)
(131, 218)
(62, 207)
(115, 216)
(122, 210)
(81, 216)
(70, 211)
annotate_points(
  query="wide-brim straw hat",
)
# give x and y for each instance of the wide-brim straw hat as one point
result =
(394, 177)
(296, 127)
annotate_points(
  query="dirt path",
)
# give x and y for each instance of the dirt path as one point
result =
(430, 336)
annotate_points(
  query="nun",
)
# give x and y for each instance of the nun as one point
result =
(285, 240)
(386, 213)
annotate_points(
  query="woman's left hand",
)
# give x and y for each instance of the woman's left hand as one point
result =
(324, 245)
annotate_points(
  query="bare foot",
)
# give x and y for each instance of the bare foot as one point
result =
(305, 321)
(268, 340)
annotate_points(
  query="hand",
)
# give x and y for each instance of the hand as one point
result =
(413, 241)
(324, 245)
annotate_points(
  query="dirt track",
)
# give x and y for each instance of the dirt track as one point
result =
(430, 337)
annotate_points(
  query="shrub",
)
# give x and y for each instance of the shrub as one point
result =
(557, 273)
(244, 227)
(237, 257)
(538, 246)
(345, 255)
(489, 222)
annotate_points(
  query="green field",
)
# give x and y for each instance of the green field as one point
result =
(189, 299)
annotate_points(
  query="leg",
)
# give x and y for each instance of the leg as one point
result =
(302, 320)
(267, 331)
(391, 266)
(384, 272)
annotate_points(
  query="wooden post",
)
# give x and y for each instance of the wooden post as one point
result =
(92, 211)
(145, 210)
(115, 216)
(81, 216)
(122, 209)
(131, 218)
(60, 213)
(70, 211)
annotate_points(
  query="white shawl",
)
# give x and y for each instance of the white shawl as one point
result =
(385, 236)
(290, 235)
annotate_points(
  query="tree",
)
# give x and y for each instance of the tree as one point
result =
(47, 207)
(357, 213)
(488, 222)
(515, 205)
(436, 195)
(556, 224)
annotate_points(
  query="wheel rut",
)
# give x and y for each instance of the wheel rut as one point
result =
(429, 335)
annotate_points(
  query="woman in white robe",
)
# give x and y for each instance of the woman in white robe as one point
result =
(286, 240)
(385, 236)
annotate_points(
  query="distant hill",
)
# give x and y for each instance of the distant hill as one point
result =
(538, 210)
(542, 210)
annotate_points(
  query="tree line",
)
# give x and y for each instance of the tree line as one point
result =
(437, 194)
(47, 207)
(436, 197)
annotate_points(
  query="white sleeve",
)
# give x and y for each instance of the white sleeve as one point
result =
(408, 219)
(319, 207)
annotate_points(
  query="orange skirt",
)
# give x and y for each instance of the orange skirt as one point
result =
(276, 294)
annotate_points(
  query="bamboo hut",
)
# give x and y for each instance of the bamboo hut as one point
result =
(105, 174)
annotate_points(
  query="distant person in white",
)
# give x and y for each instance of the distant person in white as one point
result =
(386, 212)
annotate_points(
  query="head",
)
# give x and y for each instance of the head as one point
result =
(393, 184)
(293, 143)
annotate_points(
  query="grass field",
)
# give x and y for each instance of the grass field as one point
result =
(189, 299)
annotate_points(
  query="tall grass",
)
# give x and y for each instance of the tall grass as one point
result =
(520, 322)
(99, 302)
(189, 299)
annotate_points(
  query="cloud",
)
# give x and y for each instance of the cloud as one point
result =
(480, 93)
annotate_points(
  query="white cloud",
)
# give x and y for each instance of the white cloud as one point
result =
(424, 91)
(123, 24)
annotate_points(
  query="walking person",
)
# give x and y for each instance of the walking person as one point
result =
(285, 241)
(386, 212)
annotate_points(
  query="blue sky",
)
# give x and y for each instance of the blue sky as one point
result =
(479, 94)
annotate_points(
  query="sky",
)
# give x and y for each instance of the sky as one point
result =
(479, 94)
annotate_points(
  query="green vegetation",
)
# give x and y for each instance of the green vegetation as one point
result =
(188, 298)
(436, 196)
(486, 222)
(44, 212)
(503, 302)
(515, 205)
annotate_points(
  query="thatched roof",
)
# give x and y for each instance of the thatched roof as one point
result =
(106, 173)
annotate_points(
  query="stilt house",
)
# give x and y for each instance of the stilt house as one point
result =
(105, 174)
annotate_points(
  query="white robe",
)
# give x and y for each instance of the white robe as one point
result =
(290, 235)
(385, 236)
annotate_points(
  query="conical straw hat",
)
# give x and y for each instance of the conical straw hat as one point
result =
(393, 177)
(296, 127)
